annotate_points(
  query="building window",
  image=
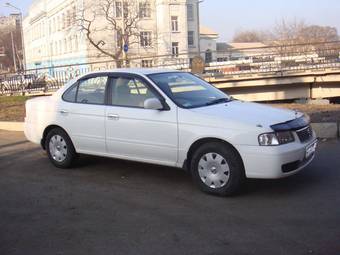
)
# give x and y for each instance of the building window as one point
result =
(174, 23)
(144, 10)
(190, 12)
(74, 15)
(65, 45)
(147, 63)
(68, 18)
(175, 49)
(191, 40)
(125, 9)
(145, 39)
(63, 23)
(49, 27)
(60, 21)
(119, 10)
(54, 25)
(60, 47)
(76, 46)
(70, 47)
(55, 48)
(208, 56)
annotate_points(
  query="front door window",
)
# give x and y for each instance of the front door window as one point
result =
(129, 92)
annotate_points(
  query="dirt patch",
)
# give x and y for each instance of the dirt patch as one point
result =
(318, 113)
(12, 108)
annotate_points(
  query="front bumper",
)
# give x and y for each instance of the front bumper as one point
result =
(277, 161)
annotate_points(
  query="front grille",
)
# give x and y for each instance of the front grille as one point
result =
(290, 167)
(305, 134)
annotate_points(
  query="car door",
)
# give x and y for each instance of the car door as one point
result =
(82, 114)
(133, 132)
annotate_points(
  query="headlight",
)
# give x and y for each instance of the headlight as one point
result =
(277, 138)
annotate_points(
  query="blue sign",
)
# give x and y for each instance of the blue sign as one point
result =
(126, 47)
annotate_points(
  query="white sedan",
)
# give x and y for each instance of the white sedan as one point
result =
(173, 119)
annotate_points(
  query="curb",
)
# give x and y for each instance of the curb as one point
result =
(11, 126)
(324, 130)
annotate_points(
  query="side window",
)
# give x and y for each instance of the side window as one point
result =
(129, 92)
(70, 95)
(92, 91)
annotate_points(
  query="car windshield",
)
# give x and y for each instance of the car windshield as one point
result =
(187, 90)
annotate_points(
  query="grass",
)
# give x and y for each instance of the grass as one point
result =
(318, 113)
(12, 108)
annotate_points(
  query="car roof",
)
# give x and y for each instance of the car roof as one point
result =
(140, 71)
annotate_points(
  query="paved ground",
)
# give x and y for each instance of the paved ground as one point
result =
(107, 206)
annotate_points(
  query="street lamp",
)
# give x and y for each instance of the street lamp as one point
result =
(21, 32)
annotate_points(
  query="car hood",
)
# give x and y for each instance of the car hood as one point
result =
(248, 113)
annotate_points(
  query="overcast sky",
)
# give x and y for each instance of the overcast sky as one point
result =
(228, 16)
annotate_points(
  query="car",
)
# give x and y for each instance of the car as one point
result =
(18, 82)
(170, 118)
(42, 81)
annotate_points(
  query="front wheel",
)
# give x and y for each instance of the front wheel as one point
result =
(60, 149)
(217, 169)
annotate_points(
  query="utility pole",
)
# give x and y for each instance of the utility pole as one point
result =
(198, 28)
(21, 33)
(13, 53)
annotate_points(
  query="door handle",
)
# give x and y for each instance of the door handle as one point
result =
(64, 112)
(113, 116)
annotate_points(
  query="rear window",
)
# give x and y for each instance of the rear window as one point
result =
(70, 95)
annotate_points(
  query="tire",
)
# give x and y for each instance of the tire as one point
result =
(217, 169)
(60, 149)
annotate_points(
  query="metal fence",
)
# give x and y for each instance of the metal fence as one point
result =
(268, 60)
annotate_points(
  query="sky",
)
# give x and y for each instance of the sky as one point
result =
(229, 16)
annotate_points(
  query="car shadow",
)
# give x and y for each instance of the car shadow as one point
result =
(305, 180)
(13, 144)
(302, 181)
(128, 168)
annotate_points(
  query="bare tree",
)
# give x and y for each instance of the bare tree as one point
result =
(248, 36)
(109, 26)
(291, 37)
(297, 37)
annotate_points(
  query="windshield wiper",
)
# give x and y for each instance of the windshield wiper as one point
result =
(219, 101)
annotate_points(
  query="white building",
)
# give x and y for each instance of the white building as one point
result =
(208, 41)
(9, 23)
(53, 38)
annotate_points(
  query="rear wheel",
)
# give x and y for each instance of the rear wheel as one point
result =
(217, 169)
(60, 149)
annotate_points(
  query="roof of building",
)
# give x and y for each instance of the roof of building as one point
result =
(208, 32)
(240, 46)
(247, 45)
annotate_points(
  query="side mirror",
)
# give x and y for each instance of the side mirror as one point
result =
(153, 104)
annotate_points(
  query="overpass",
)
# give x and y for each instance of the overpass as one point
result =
(283, 85)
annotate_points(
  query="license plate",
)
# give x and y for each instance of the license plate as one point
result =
(310, 150)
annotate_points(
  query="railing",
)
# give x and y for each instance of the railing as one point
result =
(262, 61)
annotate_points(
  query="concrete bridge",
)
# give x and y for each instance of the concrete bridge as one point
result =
(283, 85)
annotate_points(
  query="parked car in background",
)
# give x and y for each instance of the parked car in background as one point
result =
(43, 82)
(28, 82)
(173, 119)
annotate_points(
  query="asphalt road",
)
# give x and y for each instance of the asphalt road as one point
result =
(107, 206)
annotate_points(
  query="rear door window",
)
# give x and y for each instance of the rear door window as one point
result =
(92, 90)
